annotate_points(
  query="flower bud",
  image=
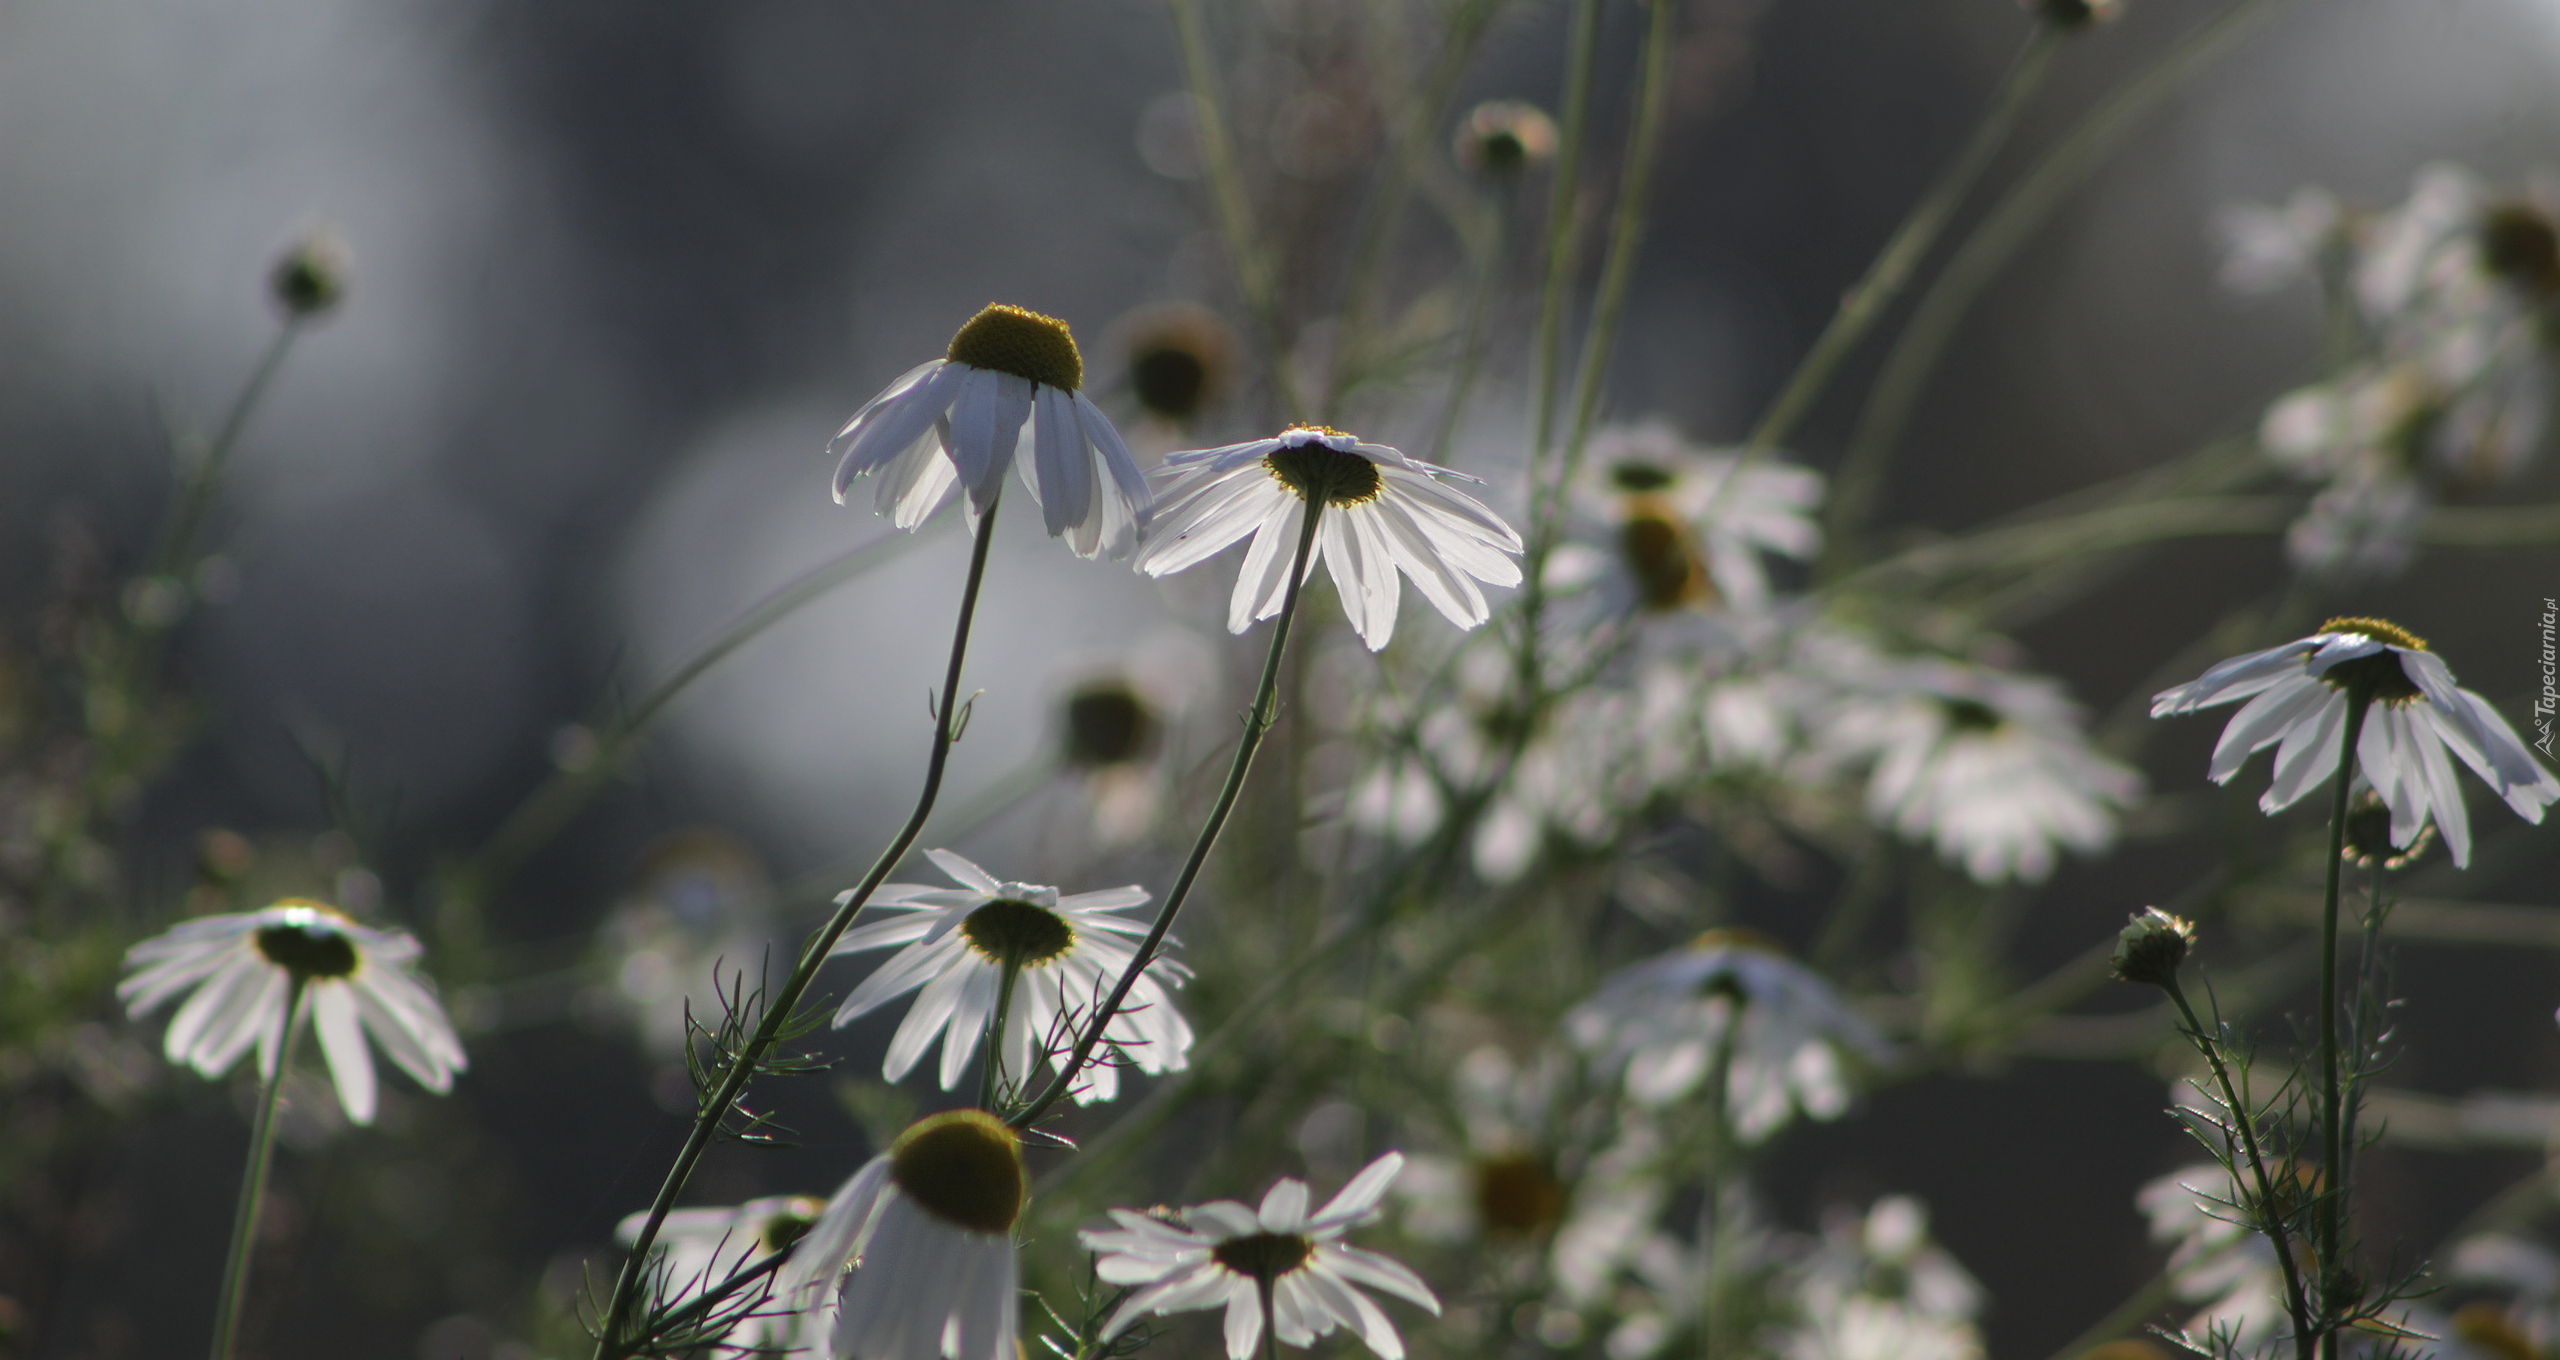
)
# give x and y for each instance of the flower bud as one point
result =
(2151, 947)
(1505, 137)
(2068, 14)
(311, 277)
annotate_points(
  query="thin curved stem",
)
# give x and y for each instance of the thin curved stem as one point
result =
(1266, 698)
(950, 715)
(2269, 1213)
(2333, 1131)
(1582, 55)
(253, 1183)
(1227, 195)
(1997, 238)
(204, 478)
(1910, 243)
(991, 1079)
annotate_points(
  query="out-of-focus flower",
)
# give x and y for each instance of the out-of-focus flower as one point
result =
(1182, 357)
(1505, 137)
(243, 970)
(2265, 248)
(698, 1248)
(1877, 1288)
(1224, 1255)
(2417, 712)
(1664, 525)
(1066, 954)
(1731, 993)
(1384, 513)
(927, 1231)
(698, 915)
(1006, 394)
(310, 278)
(1506, 1185)
(1990, 766)
(2214, 1258)
(1117, 729)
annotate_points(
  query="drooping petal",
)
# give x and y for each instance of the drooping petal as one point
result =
(333, 1013)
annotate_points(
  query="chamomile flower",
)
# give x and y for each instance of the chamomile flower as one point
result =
(244, 968)
(1006, 393)
(1066, 953)
(1666, 1020)
(1224, 1255)
(1989, 766)
(2416, 713)
(1383, 513)
(697, 1248)
(1877, 1288)
(927, 1232)
(1684, 526)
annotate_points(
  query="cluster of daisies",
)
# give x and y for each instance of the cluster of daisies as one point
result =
(1683, 655)
(2447, 392)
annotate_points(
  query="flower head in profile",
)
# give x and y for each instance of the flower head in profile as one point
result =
(927, 1231)
(1382, 513)
(2416, 714)
(1225, 1255)
(699, 1248)
(1732, 996)
(1671, 526)
(1990, 766)
(1005, 395)
(244, 970)
(1065, 954)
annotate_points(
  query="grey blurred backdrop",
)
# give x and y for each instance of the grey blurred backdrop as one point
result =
(619, 271)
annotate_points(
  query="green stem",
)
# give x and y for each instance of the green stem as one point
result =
(1266, 698)
(2333, 1130)
(1993, 242)
(2270, 1209)
(1270, 1324)
(991, 1080)
(195, 497)
(253, 1183)
(1863, 304)
(1721, 1144)
(2141, 1304)
(1226, 193)
(1582, 55)
(611, 1343)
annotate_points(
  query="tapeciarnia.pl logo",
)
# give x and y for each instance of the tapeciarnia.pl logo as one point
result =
(2548, 702)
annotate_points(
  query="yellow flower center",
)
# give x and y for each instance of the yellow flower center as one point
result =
(2484, 1325)
(962, 1166)
(1010, 930)
(1023, 343)
(1666, 568)
(1736, 937)
(1518, 1195)
(2380, 676)
(308, 943)
(1264, 1256)
(1304, 465)
(1108, 724)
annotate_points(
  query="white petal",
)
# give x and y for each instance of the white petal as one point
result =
(1284, 1206)
(333, 1008)
(1357, 1199)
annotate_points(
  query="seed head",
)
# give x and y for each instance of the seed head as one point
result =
(2368, 835)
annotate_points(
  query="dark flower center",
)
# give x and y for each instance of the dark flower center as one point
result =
(1667, 570)
(1169, 380)
(1023, 343)
(964, 1167)
(1009, 929)
(1318, 473)
(307, 950)
(783, 1229)
(1108, 724)
(1971, 715)
(2380, 676)
(2518, 244)
(1518, 1195)
(1264, 1256)
(1639, 477)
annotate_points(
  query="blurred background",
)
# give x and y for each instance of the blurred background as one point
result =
(618, 272)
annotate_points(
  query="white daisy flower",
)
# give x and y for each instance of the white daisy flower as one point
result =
(698, 912)
(1222, 1254)
(1684, 526)
(2265, 248)
(1505, 1182)
(1385, 513)
(2417, 712)
(1666, 1018)
(697, 1248)
(1991, 767)
(959, 420)
(243, 968)
(928, 1233)
(1067, 953)
(1877, 1288)
(2214, 1258)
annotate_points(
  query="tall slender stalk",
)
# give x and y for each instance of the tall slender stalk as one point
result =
(2333, 1130)
(1226, 194)
(1582, 55)
(991, 1079)
(950, 714)
(253, 1182)
(204, 476)
(2270, 1209)
(1988, 249)
(1266, 698)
